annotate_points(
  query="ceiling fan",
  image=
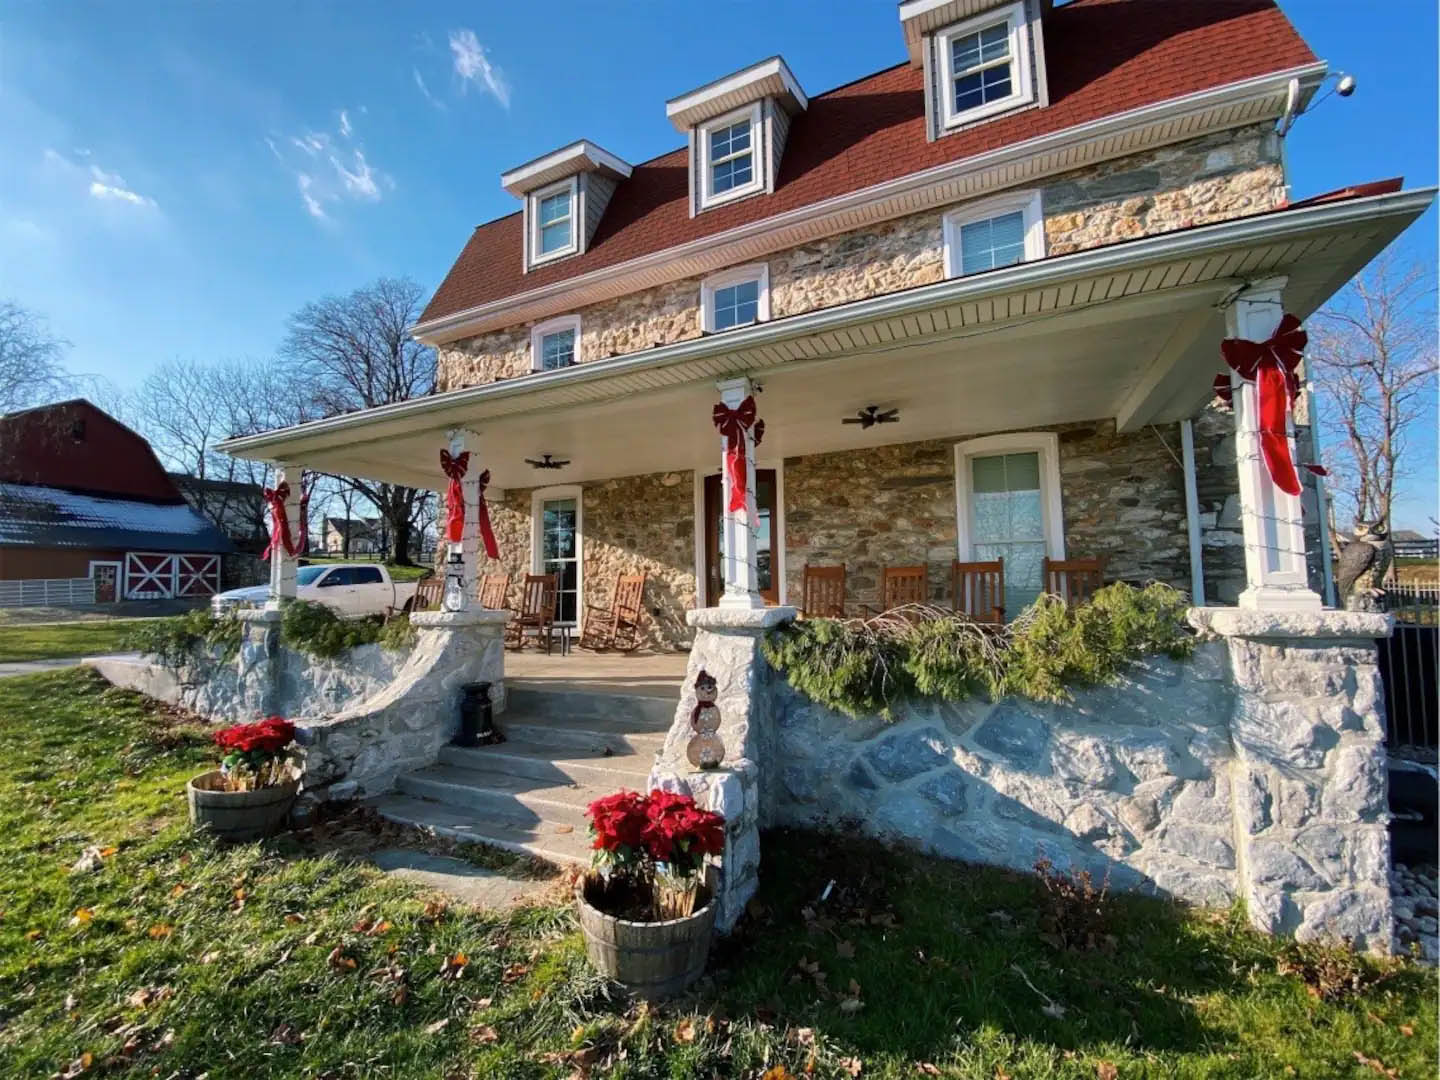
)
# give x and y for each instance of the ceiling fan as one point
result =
(546, 462)
(872, 414)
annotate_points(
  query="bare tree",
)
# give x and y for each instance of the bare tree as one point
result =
(1373, 358)
(30, 371)
(356, 353)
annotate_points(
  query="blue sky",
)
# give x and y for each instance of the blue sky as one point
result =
(178, 177)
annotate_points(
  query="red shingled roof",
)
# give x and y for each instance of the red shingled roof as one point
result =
(1102, 57)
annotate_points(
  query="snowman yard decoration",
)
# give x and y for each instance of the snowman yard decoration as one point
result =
(705, 750)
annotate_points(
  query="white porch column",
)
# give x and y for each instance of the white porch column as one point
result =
(1271, 519)
(738, 560)
(282, 563)
(463, 559)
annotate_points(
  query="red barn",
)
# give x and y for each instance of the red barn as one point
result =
(83, 496)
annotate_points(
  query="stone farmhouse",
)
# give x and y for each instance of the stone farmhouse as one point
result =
(967, 309)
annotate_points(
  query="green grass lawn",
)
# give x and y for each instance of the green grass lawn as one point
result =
(44, 641)
(397, 572)
(178, 958)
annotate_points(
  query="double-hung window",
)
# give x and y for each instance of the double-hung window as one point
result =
(553, 222)
(730, 156)
(1008, 507)
(984, 65)
(1002, 231)
(735, 298)
(555, 344)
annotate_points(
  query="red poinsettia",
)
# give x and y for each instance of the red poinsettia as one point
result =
(255, 753)
(634, 833)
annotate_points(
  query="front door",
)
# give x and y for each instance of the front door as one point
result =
(107, 581)
(765, 560)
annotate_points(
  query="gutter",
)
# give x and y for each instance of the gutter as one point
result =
(1275, 226)
(1109, 127)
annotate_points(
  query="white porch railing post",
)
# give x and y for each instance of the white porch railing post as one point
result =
(460, 574)
(1271, 519)
(738, 540)
(282, 564)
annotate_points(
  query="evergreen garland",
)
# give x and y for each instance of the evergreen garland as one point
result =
(867, 667)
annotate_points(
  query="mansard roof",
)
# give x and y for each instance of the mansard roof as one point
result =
(1103, 57)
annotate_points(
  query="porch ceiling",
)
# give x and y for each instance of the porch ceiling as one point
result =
(1130, 331)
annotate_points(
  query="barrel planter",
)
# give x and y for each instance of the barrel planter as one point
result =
(650, 959)
(239, 815)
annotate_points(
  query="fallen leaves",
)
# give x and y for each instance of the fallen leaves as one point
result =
(1375, 1066)
(82, 917)
(437, 1027)
(286, 1035)
(149, 995)
(1106, 1070)
(339, 960)
(484, 1034)
(159, 931)
(514, 973)
(453, 967)
(79, 1067)
(685, 1030)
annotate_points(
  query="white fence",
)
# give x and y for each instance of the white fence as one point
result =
(47, 592)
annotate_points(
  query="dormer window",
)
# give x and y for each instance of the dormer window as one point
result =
(554, 221)
(729, 156)
(985, 65)
(978, 63)
(555, 344)
(737, 127)
(565, 193)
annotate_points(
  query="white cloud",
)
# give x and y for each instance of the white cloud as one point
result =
(425, 90)
(99, 184)
(312, 142)
(474, 67)
(312, 204)
(344, 123)
(361, 181)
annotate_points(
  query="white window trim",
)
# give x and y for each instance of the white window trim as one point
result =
(532, 211)
(757, 164)
(1022, 83)
(1047, 445)
(1027, 202)
(540, 331)
(736, 275)
(777, 536)
(537, 499)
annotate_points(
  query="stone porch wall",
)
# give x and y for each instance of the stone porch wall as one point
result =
(1215, 178)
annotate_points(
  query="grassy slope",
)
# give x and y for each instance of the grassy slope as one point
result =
(49, 640)
(243, 938)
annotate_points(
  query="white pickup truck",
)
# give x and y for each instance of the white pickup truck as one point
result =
(353, 590)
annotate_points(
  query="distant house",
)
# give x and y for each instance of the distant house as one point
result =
(237, 509)
(83, 496)
(366, 536)
(1410, 544)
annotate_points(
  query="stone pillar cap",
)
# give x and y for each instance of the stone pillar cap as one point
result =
(1252, 623)
(719, 618)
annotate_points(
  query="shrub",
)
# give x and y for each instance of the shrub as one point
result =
(1076, 912)
(178, 641)
(398, 635)
(866, 667)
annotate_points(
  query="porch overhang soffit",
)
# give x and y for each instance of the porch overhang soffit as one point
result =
(1129, 331)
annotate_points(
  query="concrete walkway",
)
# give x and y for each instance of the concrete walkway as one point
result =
(458, 878)
(34, 667)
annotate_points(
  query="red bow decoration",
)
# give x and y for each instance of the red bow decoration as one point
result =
(732, 424)
(279, 520)
(455, 468)
(1271, 366)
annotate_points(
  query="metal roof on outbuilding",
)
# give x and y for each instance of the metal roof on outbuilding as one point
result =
(32, 515)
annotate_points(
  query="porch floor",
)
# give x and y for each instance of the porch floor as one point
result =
(637, 674)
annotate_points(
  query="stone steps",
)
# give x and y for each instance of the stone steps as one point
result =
(563, 750)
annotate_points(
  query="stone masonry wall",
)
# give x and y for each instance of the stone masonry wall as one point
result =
(1122, 497)
(1214, 178)
(629, 524)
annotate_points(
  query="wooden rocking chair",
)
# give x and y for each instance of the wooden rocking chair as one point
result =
(823, 592)
(537, 612)
(428, 594)
(901, 586)
(618, 626)
(493, 588)
(1073, 580)
(978, 590)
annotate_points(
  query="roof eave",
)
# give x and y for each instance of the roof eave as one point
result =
(1045, 273)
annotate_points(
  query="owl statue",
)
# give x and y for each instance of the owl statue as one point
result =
(1364, 561)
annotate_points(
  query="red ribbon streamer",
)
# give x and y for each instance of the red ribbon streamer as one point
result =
(455, 468)
(732, 425)
(279, 520)
(1270, 365)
